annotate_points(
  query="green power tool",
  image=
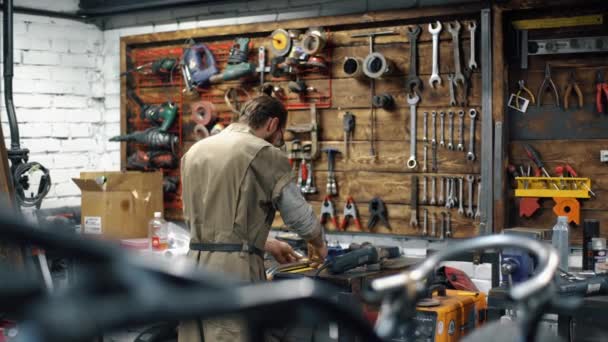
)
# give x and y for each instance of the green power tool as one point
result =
(163, 114)
(238, 63)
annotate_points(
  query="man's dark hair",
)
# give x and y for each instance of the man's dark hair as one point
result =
(258, 110)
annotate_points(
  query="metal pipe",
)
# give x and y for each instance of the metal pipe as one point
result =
(7, 24)
(547, 258)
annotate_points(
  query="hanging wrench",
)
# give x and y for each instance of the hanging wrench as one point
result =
(443, 222)
(460, 146)
(451, 131)
(433, 187)
(440, 200)
(425, 223)
(425, 116)
(424, 153)
(471, 153)
(442, 128)
(433, 225)
(448, 194)
(472, 27)
(412, 101)
(478, 210)
(434, 167)
(460, 207)
(435, 73)
(434, 128)
(448, 228)
(452, 91)
(413, 83)
(470, 180)
(423, 200)
(454, 29)
(414, 203)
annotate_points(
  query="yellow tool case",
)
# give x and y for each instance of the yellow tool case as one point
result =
(449, 318)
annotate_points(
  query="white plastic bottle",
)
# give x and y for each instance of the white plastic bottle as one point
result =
(157, 232)
(561, 241)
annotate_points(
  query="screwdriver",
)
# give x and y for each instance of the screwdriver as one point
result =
(349, 126)
(533, 155)
(573, 174)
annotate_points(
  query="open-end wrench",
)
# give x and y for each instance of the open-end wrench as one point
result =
(477, 209)
(413, 82)
(433, 188)
(425, 117)
(412, 101)
(448, 193)
(460, 207)
(414, 203)
(443, 222)
(471, 152)
(434, 166)
(448, 226)
(451, 85)
(425, 223)
(460, 146)
(434, 128)
(470, 180)
(424, 154)
(441, 129)
(423, 200)
(435, 78)
(440, 200)
(451, 131)
(454, 29)
(433, 225)
(472, 27)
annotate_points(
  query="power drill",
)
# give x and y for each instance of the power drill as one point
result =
(238, 63)
(163, 114)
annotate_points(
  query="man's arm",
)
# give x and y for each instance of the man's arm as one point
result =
(298, 215)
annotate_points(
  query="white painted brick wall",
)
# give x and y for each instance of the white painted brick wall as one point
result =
(57, 79)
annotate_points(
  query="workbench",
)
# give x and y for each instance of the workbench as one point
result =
(585, 320)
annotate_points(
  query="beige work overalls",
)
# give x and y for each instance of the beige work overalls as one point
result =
(230, 183)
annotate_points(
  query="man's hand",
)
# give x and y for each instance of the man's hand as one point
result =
(317, 250)
(281, 251)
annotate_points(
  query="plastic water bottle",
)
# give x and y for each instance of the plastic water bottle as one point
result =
(560, 241)
(158, 232)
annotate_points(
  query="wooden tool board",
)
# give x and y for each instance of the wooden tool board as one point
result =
(362, 176)
(573, 136)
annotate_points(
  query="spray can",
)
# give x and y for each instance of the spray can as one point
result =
(599, 255)
(591, 229)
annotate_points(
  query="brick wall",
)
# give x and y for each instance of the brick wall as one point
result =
(58, 93)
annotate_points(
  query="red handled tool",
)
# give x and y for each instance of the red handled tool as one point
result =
(602, 91)
(327, 209)
(535, 157)
(350, 210)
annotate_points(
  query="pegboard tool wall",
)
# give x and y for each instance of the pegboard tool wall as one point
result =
(361, 176)
(574, 136)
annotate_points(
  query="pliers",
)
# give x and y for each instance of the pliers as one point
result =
(350, 210)
(601, 86)
(377, 210)
(523, 89)
(547, 84)
(327, 209)
(573, 85)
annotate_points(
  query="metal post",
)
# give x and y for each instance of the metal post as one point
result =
(498, 158)
(487, 176)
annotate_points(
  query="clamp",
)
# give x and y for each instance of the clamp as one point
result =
(327, 209)
(350, 210)
(523, 89)
(601, 86)
(547, 84)
(377, 210)
(573, 85)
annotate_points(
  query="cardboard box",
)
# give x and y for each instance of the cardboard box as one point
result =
(119, 205)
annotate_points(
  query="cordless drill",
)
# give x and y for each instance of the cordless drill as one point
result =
(238, 63)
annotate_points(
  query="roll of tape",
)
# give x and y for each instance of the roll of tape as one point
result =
(200, 132)
(353, 66)
(376, 65)
(203, 112)
(312, 43)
